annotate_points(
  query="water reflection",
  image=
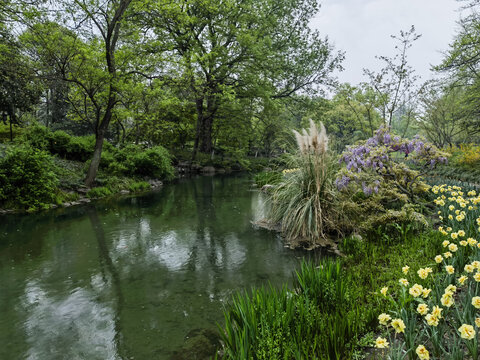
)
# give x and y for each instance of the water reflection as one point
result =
(131, 278)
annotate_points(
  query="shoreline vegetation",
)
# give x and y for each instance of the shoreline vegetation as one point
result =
(372, 302)
(43, 169)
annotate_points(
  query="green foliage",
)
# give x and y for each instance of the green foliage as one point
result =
(268, 177)
(139, 186)
(98, 192)
(133, 160)
(321, 320)
(27, 178)
(60, 143)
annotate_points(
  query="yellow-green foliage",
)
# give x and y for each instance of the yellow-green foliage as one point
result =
(468, 154)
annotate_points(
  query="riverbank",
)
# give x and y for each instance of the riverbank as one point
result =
(41, 169)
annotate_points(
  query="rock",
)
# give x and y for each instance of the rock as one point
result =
(74, 203)
(83, 190)
(195, 167)
(84, 200)
(208, 169)
(199, 344)
(155, 183)
(267, 187)
(124, 192)
(67, 204)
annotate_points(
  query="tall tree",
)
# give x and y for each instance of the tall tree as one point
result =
(85, 51)
(19, 90)
(395, 82)
(462, 64)
(241, 49)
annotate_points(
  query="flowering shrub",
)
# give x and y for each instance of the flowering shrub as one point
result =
(437, 308)
(468, 154)
(377, 162)
(380, 182)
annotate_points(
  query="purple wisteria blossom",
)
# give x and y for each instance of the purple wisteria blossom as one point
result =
(377, 157)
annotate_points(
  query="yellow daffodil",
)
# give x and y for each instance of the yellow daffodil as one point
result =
(463, 243)
(450, 269)
(447, 300)
(445, 243)
(403, 282)
(398, 325)
(416, 290)
(461, 233)
(422, 353)
(381, 343)
(454, 235)
(438, 259)
(383, 319)
(472, 241)
(450, 289)
(462, 279)
(453, 247)
(477, 322)
(469, 268)
(447, 255)
(423, 272)
(466, 332)
(426, 292)
(476, 302)
(405, 269)
(432, 319)
(384, 290)
(422, 309)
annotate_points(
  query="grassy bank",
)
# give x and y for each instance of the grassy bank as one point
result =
(331, 311)
(406, 295)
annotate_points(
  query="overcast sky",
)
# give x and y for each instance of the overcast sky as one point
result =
(362, 28)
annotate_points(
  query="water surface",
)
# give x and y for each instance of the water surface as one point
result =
(130, 278)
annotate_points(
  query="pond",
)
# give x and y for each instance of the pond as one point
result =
(132, 277)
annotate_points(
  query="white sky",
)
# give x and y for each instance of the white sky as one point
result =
(362, 28)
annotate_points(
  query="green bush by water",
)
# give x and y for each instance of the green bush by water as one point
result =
(27, 178)
(98, 192)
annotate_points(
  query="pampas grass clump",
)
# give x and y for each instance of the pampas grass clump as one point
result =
(304, 203)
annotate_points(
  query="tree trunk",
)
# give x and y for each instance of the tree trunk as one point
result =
(97, 155)
(206, 135)
(206, 143)
(200, 119)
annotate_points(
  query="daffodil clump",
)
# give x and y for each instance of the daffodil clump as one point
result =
(436, 308)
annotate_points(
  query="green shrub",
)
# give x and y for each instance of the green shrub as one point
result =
(37, 136)
(27, 178)
(77, 148)
(321, 320)
(139, 186)
(154, 162)
(98, 192)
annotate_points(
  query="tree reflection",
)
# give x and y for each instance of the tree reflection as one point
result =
(106, 265)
